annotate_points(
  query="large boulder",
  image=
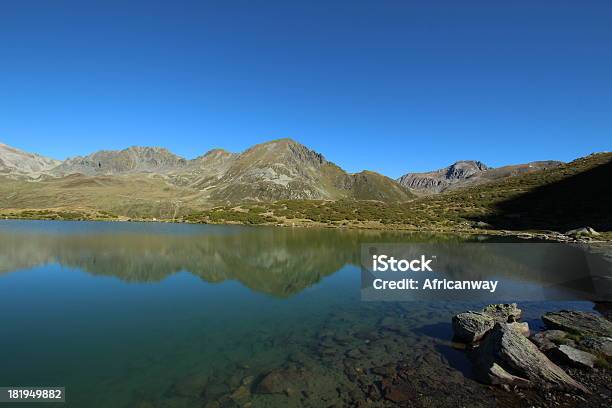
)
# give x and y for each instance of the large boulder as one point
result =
(521, 327)
(568, 355)
(580, 323)
(471, 326)
(508, 357)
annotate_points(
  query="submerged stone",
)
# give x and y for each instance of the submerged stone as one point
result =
(471, 326)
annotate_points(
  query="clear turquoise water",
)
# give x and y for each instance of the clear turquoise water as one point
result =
(124, 315)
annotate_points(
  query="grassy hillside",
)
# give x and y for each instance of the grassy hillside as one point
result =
(572, 195)
(130, 196)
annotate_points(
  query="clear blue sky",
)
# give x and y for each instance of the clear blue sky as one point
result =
(390, 86)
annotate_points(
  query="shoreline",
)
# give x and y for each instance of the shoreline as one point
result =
(605, 238)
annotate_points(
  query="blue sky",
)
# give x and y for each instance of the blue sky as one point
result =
(390, 86)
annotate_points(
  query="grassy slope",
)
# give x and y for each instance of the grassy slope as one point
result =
(585, 181)
(129, 196)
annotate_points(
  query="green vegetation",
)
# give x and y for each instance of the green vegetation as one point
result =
(59, 215)
(253, 215)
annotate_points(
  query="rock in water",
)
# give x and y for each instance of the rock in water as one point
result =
(506, 312)
(508, 357)
(568, 355)
(582, 231)
(581, 323)
(472, 326)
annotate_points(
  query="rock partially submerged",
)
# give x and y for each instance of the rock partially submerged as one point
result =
(470, 327)
(504, 312)
(508, 357)
(580, 323)
(588, 231)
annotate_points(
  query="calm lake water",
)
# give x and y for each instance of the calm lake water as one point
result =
(162, 315)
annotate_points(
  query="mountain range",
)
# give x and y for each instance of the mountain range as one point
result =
(142, 180)
(284, 182)
(276, 170)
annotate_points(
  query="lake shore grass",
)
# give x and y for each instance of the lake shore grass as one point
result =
(262, 215)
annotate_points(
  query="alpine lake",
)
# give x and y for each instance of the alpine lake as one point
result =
(177, 315)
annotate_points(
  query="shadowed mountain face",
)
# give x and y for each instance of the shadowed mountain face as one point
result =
(574, 195)
(467, 173)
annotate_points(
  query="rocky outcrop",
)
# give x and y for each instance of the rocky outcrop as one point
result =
(439, 180)
(467, 173)
(520, 327)
(471, 326)
(569, 355)
(580, 323)
(503, 312)
(508, 357)
(597, 345)
(584, 231)
(548, 339)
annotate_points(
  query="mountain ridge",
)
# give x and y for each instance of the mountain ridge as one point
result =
(132, 159)
(278, 169)
(17, 162)
(274, 170)
(464, 173)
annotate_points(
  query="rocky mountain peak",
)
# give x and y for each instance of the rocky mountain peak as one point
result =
(464, 169)
(16, 162)
(465, 173)
(142, 159)
(284, 151)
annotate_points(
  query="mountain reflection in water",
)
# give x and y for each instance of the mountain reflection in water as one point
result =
(275, 261)
(278, 261)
